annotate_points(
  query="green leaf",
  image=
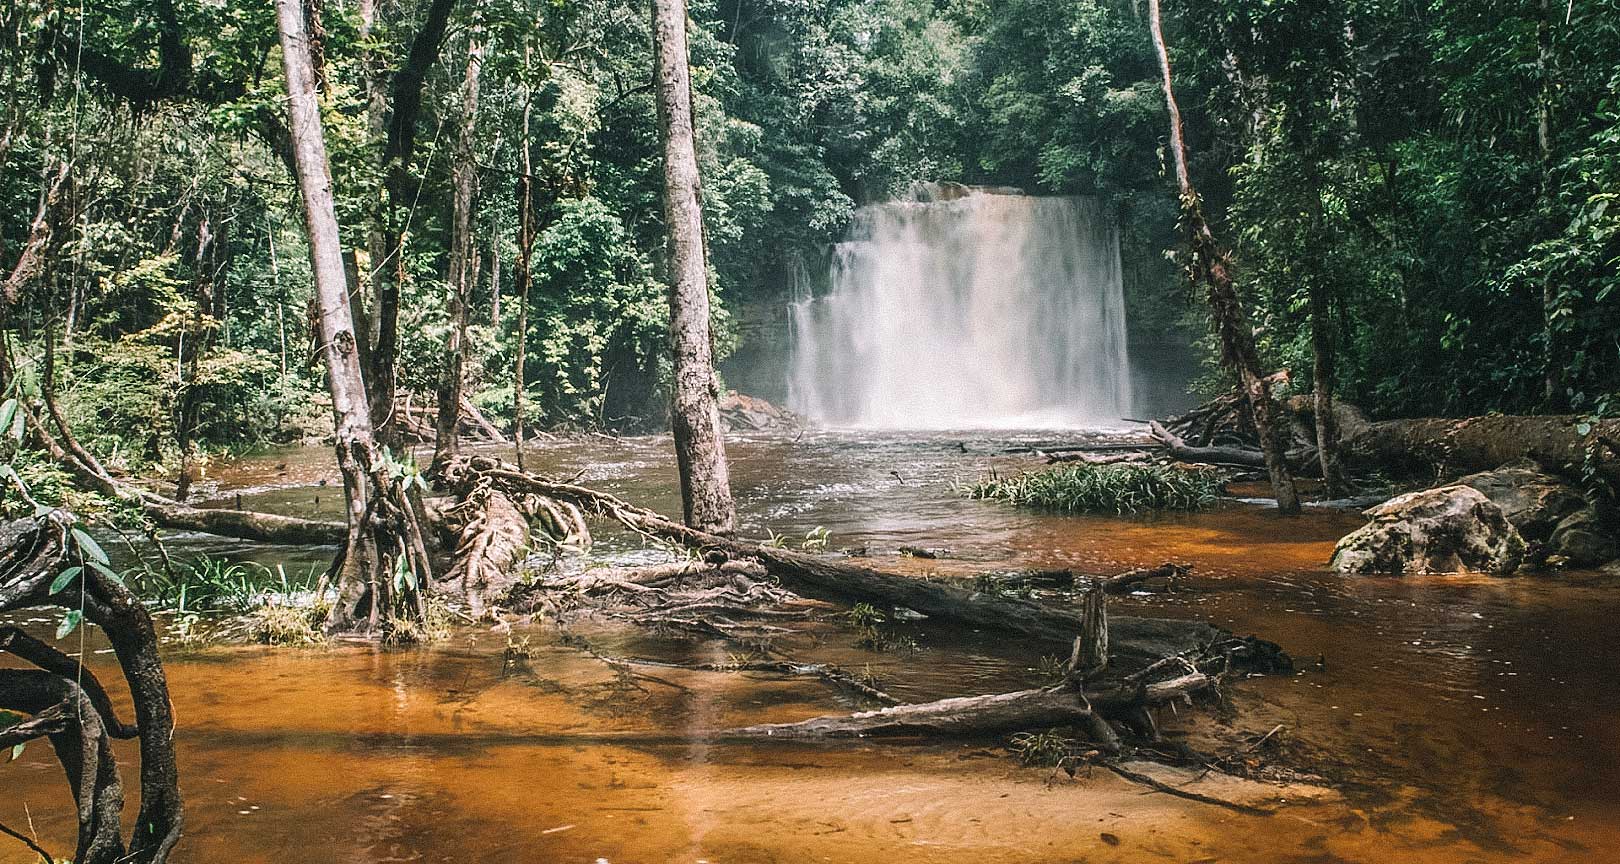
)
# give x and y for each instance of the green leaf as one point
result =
(8, 413)
(106, 571)
(88, 546)
(16, 751)
(70, 622)
(1583, 428)
(63, 578)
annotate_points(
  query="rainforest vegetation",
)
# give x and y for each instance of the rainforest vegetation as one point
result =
(1432, 181)
(1385, 232)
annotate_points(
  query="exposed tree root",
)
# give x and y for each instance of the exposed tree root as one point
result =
(1136, 640)
(70, 706)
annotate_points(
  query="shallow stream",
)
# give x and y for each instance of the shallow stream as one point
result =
(1462, 718)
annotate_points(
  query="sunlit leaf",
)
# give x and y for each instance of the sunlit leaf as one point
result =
(64, 578)
(88, 546)
(70, 622)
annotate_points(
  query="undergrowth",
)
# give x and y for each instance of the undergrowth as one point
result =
(1122, 489)
(208, 584)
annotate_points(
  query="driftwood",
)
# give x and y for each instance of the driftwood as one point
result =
(1060, 705)
(1135, 640)
(417, 423)
(1300, 460)
(70, 706)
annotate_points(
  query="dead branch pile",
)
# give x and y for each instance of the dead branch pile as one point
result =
(416, 422)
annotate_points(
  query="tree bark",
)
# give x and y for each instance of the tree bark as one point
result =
(1447, 446)
(700, 451)
(398, 150)
(381, 525)
(823, 577)
(1323, 375)
(525, 192)
(1211, 265)
(447, 442)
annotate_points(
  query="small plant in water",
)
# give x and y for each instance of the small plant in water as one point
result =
(1051, 669)
(816, 539)
(1104, 488)
(1050, 749)
(867, 621)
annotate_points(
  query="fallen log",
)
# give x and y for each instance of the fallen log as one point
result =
(1568, 445)
(1061, 705)
(1180, 450)
(1134, 639)
(166, 512)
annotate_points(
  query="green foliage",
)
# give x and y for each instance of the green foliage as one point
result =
(1385, 159)
(1121, 488)
(208, 584)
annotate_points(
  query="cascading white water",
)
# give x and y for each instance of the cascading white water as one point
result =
(987, 310)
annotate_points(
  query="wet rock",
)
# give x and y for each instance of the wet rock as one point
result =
(1533, 501)
(750, 413)
(1583, 540)
(1450, 529)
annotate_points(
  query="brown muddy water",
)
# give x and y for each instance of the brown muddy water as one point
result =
(1461, 719)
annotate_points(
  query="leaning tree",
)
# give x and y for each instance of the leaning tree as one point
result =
(383, 563)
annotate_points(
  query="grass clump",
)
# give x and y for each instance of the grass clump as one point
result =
(208, 584)
(1121, 488)
(278, 624)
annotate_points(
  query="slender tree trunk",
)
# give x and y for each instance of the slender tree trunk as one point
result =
(382, 525)
(494, 273)
(398, 151)
(1212, 266)
(447, 442)
(525, 250)
(700, 450)
(1323, 375)
(1552, 370)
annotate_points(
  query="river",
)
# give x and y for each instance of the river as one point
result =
(1460, 718)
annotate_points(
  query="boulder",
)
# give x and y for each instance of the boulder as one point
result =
(1449, 529)
(1583, 540)
(1533, 501)
(741, 412)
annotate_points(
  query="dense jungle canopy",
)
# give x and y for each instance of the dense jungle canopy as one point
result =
(1439, 175)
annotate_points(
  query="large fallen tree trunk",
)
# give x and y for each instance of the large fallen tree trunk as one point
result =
(822, 577)
(1562, 444)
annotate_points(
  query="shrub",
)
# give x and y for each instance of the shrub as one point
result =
(1120, 489)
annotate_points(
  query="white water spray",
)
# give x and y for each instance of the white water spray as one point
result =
(987, 310)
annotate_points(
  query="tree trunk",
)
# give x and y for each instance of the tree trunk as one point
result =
(1211, 265)
(398, 151)
(382, 527)
(447, 442)
(494, 273)
(700, 450)
(1552, 369)
(1323, 376)
(521, 279)
(1132, 640)
(1568, 445)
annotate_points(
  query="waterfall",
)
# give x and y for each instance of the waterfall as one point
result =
(966, 309)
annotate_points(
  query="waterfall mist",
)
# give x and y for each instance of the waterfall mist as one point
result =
(986, 310)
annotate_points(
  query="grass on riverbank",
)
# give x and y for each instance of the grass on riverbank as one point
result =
(1120, 488)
